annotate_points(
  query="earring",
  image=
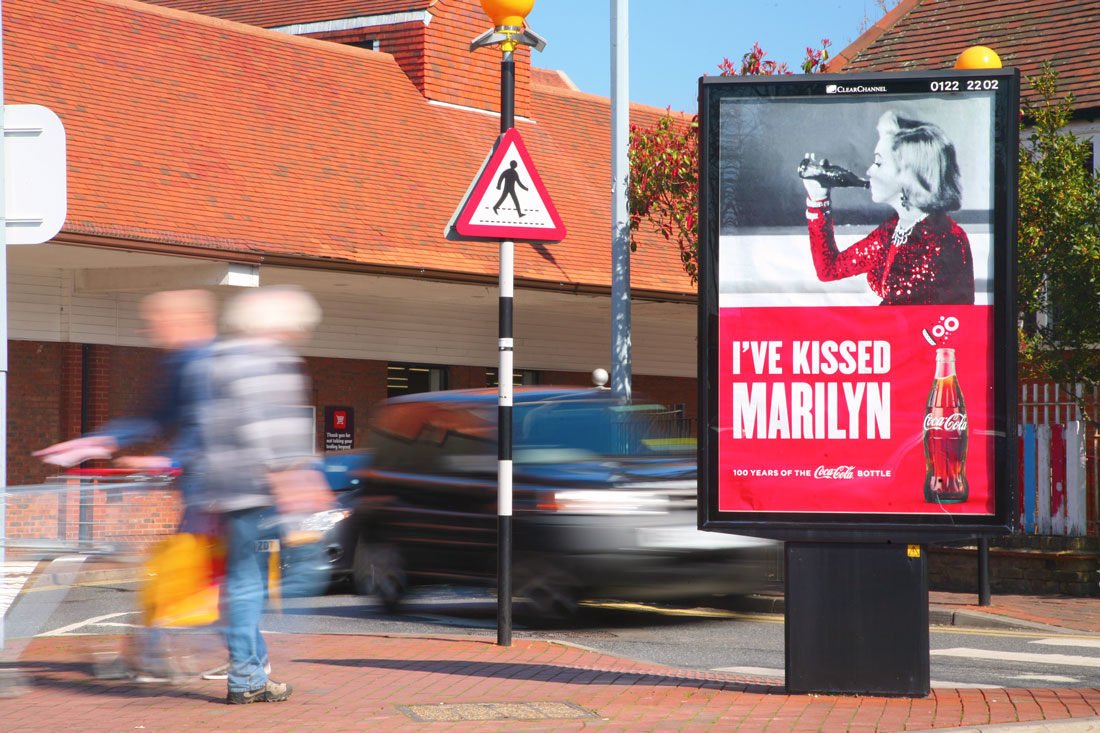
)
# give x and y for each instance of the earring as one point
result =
(905, 199)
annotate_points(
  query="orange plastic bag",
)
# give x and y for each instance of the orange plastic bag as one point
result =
(183, 581)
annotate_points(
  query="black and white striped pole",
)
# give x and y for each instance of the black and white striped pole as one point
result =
(505, 347)
(509, 32)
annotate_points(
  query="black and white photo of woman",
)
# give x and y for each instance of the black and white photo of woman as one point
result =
(919, 255)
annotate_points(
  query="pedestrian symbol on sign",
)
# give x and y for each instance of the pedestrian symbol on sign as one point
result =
(510, 179)
(494, 208)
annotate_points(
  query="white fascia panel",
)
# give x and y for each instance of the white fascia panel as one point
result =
(350, 24)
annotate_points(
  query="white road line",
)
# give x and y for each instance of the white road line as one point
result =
(87, 622)
(940, 685)
(1080, 643)
(1046, 678)
(1060, 659)
(120, 624)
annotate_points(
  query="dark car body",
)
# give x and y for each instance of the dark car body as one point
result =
(604, 502)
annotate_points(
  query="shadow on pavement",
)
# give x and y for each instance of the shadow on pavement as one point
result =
(550, 673)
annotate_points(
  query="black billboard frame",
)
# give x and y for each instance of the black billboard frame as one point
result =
(861, 527)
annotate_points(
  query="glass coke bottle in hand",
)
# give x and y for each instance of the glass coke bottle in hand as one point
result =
(829, 175)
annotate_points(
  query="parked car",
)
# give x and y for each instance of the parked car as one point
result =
(604, 502)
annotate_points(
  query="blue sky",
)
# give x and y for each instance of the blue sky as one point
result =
(673, 43)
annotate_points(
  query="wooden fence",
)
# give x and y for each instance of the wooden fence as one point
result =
(1058, 460)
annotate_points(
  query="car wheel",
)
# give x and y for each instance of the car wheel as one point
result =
(549, 593)
(379, 570)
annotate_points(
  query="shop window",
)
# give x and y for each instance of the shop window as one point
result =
(520, 377)
(414, 378)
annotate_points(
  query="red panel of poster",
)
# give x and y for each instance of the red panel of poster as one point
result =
(856, 343)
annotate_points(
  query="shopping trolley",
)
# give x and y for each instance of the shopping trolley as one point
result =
(124, 519)
(105, 511)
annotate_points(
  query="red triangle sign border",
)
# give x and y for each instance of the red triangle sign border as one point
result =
(466, 226)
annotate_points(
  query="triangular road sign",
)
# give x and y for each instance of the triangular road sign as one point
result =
(508, 200)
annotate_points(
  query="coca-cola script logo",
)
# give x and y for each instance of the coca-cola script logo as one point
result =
(840, 472)
(956, 423)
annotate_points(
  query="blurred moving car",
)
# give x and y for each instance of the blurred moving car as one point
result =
(604, 502)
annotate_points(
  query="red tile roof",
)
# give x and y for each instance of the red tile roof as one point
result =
(552, 78)
(930, 34)
(273, 13)
(432, 47)
(206, 135)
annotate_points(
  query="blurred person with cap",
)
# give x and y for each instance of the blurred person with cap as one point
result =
(257, 442)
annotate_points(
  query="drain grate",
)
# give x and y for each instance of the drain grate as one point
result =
(450, 712)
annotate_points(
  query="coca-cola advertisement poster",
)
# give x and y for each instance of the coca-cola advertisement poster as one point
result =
(856, 298)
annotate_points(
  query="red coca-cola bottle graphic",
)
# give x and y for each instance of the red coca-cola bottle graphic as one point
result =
(945, 435)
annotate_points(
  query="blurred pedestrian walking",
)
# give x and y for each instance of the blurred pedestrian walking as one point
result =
(257, 438)
(183, 322)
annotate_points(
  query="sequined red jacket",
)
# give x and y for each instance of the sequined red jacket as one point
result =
(934, 266)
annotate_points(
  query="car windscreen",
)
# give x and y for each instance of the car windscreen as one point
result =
(574, 430)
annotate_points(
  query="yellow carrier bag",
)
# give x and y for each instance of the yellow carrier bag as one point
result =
(183, 581)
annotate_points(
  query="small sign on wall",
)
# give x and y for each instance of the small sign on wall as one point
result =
(339, 428)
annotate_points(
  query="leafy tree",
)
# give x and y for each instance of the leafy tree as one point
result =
(664, 163)
(1059, 244)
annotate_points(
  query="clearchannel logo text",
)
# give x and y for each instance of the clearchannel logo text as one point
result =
(839, 89)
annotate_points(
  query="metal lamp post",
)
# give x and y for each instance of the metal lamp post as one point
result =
(981, 57)
(508, 32)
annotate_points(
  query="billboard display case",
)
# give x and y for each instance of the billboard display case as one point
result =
(857, 328)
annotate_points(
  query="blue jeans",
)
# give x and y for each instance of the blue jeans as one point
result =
(246, 590)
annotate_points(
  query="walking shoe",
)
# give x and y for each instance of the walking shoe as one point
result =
(271, 692)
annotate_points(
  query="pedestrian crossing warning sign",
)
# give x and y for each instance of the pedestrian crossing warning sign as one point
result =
(507, 199)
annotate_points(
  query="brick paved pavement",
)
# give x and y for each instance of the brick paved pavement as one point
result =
(397, 683)
(1077, 614)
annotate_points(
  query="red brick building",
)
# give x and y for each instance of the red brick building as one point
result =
(211, 152)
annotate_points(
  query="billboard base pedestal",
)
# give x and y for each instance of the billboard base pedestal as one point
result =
(857, 619)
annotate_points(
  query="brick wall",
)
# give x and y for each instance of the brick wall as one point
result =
(35, 371)
(466, 377)
(129, 378)
(669, 391)
(567, 379)
(96, 385)
(1027, 564)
